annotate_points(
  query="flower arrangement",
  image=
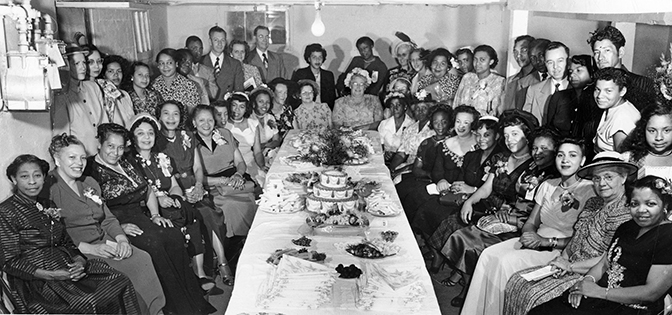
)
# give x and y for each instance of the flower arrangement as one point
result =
(333, 146)
(358, 71)
(90, 193)
(53, 213)
(663, 76)
(217, 137)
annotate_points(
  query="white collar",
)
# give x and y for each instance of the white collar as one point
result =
(261, 53)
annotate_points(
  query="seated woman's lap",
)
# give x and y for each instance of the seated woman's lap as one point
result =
(155, 237)
(561, 306)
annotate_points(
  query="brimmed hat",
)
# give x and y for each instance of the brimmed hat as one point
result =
(606, 158)
(527, 118)
(75, 49)
(316, 88)
(144, 115)
(262, 87)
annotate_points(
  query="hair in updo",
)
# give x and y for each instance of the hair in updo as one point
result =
(467, 110)
(652, 182)
(61, 141)
(137, 124)
(203, 108)
(13, 167)
(108, 129)
(579, 143)
(547, 133)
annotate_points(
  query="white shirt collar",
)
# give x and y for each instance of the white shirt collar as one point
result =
(213, 57)
(261, 53)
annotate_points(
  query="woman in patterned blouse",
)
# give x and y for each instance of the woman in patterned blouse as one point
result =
(310, 114)
(281, 107)
(45, 270)
(172, 85)
(358, 110)
(442, 83)
(145, 99)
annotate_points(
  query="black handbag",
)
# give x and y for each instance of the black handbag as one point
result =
(453, 200)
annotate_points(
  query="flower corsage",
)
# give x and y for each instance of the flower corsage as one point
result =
(53, 213)
(90, 193)
(358, 71)
(164, 164)
(568, 201)
(186, 140)
(217, 137)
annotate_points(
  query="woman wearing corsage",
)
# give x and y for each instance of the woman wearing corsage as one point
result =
(225, 170)
(159, 171)
(45, 270)
(92, 227)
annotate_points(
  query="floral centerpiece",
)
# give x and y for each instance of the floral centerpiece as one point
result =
(333, 146)
(663, 76)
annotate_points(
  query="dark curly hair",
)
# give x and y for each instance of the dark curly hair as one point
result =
(255, 94)
(441, 52)
(468, 110)
(203, 108)
(619, 76)
(586, 61)
(489, 124)
(515, 120)
(239, 42)
(490, 51)
(650, 182)
(240, 98)
(636, 140)
(548, 133)
(577, 142)
(442, 110)
(123, 64)
(402, 100)
(310, 49)
(364, 39)
(172, 53)
(180, 107)
(423, 54)
(107, 129)
(13, 167)
(611, 33)
(137, 123)
(64, 140)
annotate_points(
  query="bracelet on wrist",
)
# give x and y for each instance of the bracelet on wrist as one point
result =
(155, 216)
(606, 293)
(589, 276)
(571, 267)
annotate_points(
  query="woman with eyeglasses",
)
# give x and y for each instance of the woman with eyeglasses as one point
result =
(311, 114)
(358, 110)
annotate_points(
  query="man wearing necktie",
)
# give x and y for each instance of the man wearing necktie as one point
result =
(228, 71)
(270, 64)
(538, 95)
(537, 58)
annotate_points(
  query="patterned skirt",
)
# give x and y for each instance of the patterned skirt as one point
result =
(521, 296)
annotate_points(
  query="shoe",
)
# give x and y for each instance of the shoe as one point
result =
(449, 281)
(457, 301)
(206, 284)
(435, 269)
(225, 272)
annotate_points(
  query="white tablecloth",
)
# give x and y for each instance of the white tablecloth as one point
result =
(275, 231)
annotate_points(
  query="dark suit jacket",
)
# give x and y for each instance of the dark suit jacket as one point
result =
(276, 66)
(327, 83)
(560, 111)
(230, 78)
(641, 91)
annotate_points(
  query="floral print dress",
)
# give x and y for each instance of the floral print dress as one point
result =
(482, 94)
(313, 116)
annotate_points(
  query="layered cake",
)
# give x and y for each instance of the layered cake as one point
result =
(332, 192)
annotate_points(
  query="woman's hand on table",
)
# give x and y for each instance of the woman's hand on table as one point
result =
(161, 221)
(531, 240)
(131, 229)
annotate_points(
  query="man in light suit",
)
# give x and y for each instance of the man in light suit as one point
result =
(195, 45)
(538, 74)
(228, 71)
(270, 64)
(555, 57)
(521, 46)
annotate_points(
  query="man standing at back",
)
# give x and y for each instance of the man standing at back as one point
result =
(269, 63)
(195, 45)
(555, 57)
(228, 71)
(537, 56)
(608, 45)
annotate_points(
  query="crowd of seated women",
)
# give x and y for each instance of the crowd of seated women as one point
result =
(565, 164)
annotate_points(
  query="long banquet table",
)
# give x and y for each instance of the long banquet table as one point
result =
(271, 231)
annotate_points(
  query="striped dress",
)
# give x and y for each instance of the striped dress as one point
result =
(594, 230)
(30, 241)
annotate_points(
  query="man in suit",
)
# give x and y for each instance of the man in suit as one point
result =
(270, 64)
(537, 57)
(521, 47)
(536, 100)
(608, 45)
(228, 71)
(315, 55)
(195, 45)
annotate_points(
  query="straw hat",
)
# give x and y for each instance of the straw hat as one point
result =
(606, 158)
(144, 115)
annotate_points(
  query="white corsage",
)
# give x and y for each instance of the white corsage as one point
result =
(421, 95)
(186, 140)
(454, 63)
(217, 137)
(358, 71)
(91, 194)
(53, 213)
(164, 164)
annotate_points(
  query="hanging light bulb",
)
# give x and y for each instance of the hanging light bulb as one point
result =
(318, 26)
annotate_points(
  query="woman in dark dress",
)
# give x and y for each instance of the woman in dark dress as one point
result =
(446, 169)
(159, 170)
(634, 275)
(315, 55)
(180, 145)
(474, 169)
(44, 268)
(420, 177)
(128, 196)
